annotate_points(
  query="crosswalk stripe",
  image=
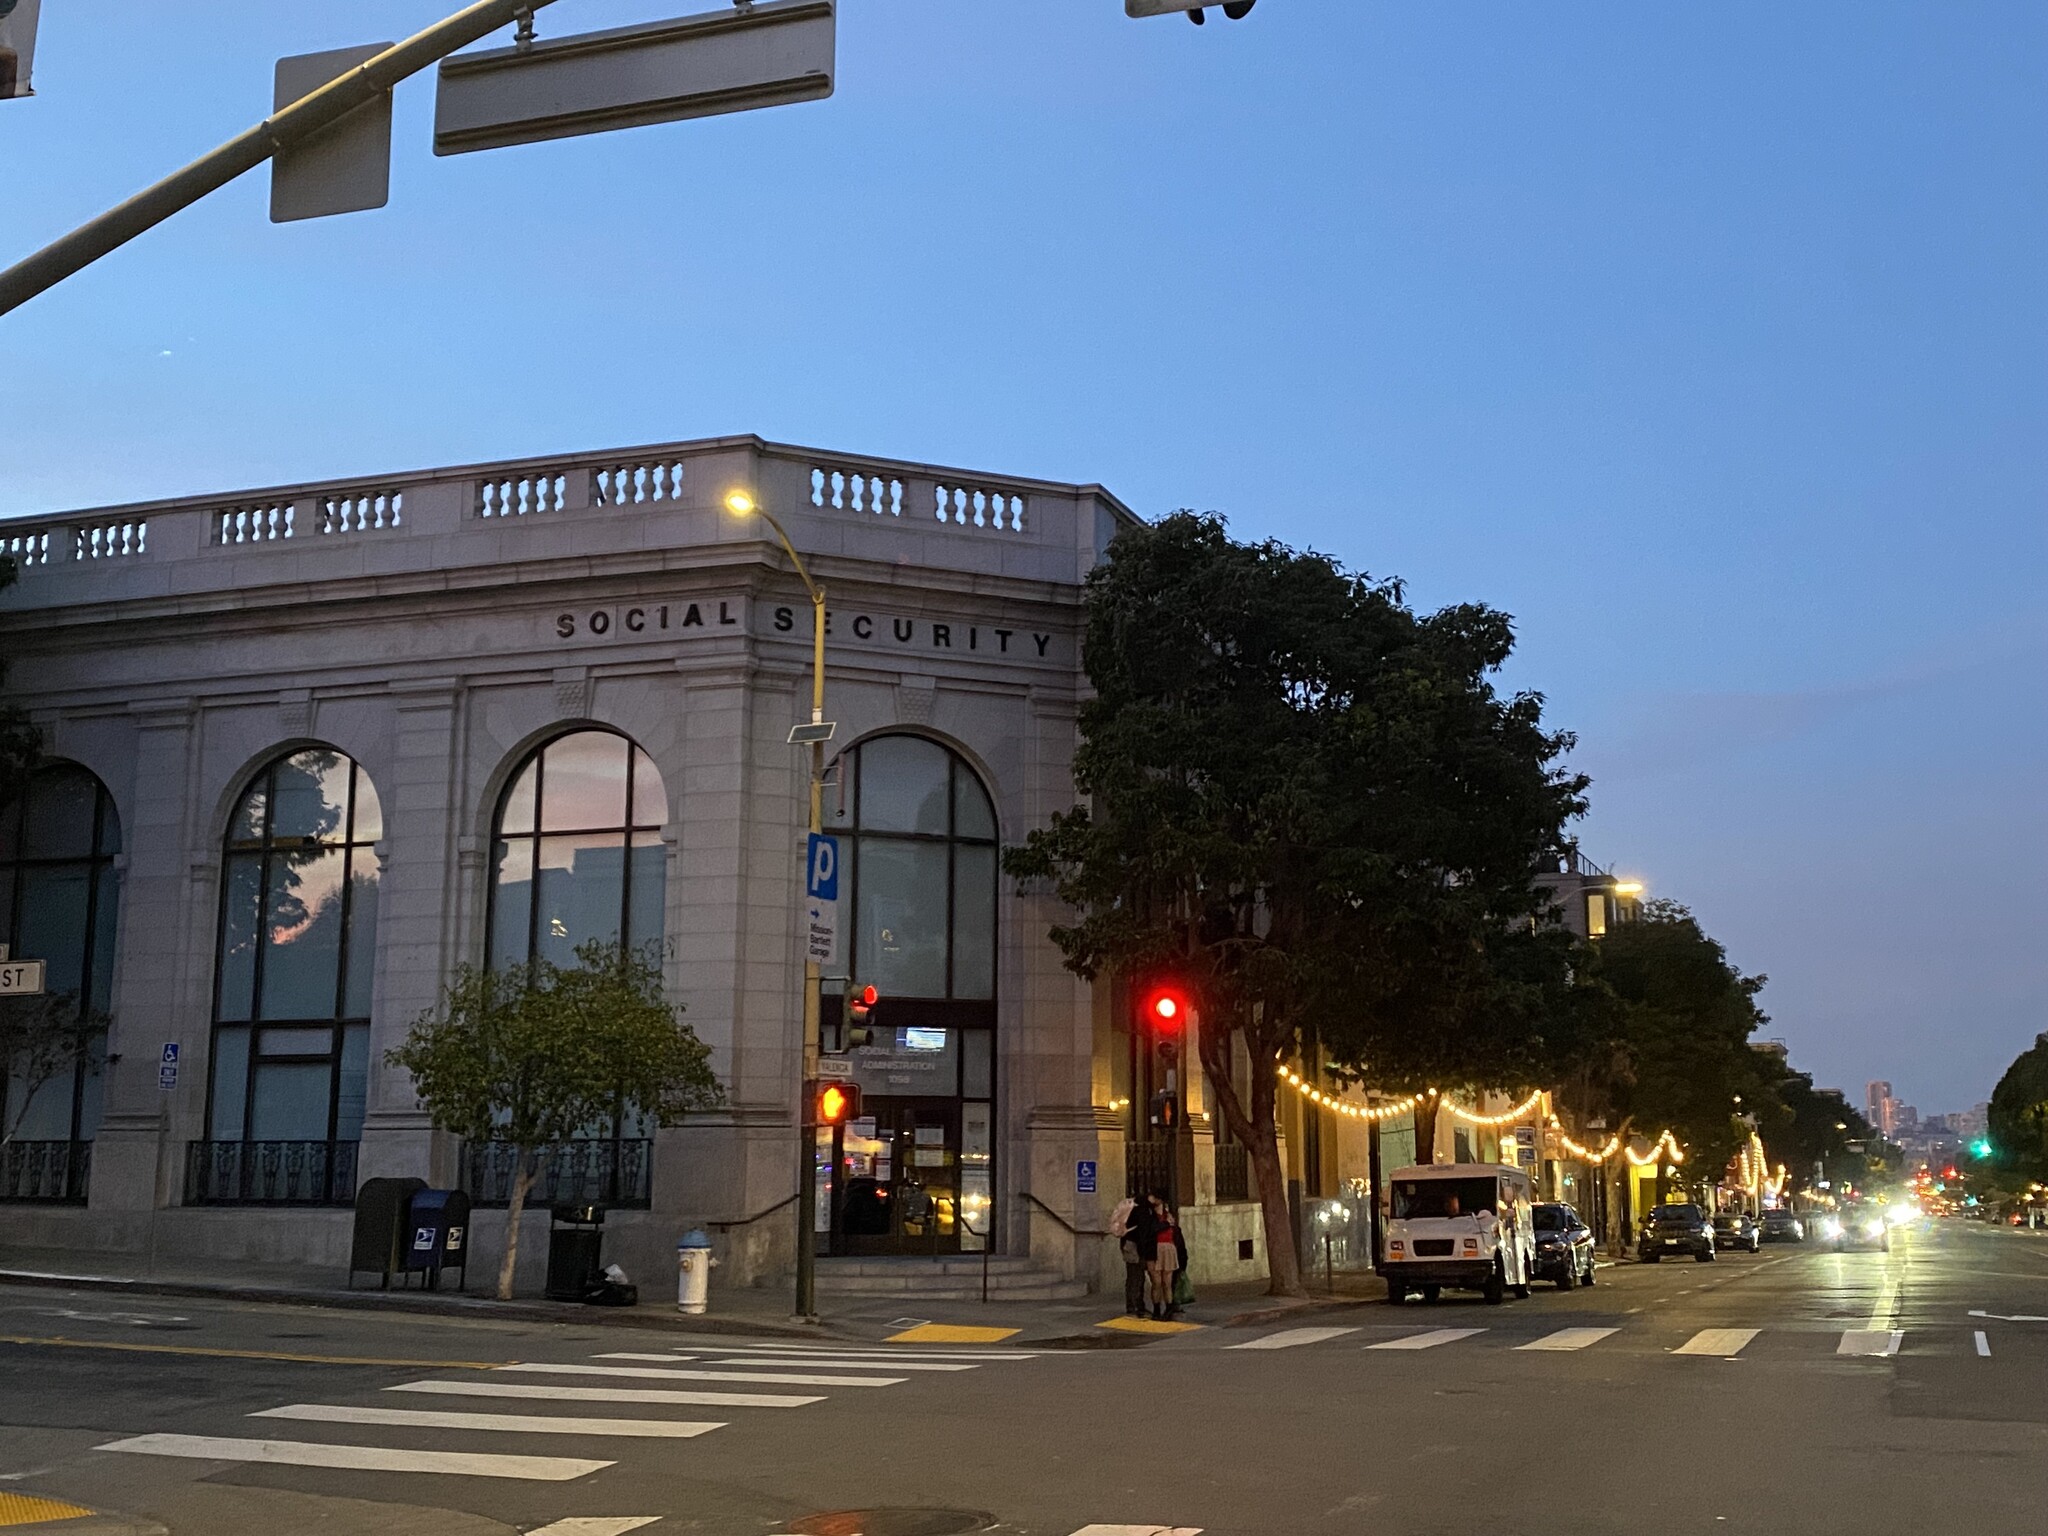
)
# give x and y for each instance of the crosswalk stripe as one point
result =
(360, 1458)
(1870, 1341)
(594, 1525)
(512, 1423)
(1717, 1341)
(827, 1363)
(1428, 1340)
(647, 1372)
(1129, 1530)
(1983, 1343)
(626, 1354)
(1290, 1338)
(536, 1392)
(1569, 1338)
(1887, 1305)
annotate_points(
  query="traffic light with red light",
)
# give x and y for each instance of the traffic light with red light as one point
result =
(1166, 1010)
(860, 1004)
(837, 1103)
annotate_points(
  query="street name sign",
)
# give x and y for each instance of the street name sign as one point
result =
(821, 899)
(21, 978)
(836, 1068)
(763, 55)
(346, 166)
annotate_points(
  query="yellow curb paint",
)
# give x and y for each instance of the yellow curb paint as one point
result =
(60, 1342)
(951, 1333)
(27, 1509)
(1147, 1325)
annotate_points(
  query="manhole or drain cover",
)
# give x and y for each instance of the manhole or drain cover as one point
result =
(893, 1522)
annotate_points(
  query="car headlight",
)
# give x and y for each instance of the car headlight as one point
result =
(1829, 1227)
(1874, 1227)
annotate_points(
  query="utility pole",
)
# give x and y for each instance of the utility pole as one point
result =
(282, 130)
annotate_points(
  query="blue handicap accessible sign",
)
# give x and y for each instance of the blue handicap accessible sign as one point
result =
(1084, 1178)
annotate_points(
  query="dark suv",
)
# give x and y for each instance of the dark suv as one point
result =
(1564, 1246)
(1675, 1230)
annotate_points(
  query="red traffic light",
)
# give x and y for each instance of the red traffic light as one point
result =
(838, 1103)
(859, 1003)
(1166, 1010)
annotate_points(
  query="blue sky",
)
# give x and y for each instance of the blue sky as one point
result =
(1710, 341)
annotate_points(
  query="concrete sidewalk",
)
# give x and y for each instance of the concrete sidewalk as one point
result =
(763, 1311)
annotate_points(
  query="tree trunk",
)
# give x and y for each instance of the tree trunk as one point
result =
(522, 1186)
(1425, 1129)
(1256, 1127)
(1619, 1213)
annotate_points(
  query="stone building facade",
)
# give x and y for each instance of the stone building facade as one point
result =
(311, 747)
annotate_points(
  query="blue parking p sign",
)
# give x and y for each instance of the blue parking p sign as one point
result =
(821, 868)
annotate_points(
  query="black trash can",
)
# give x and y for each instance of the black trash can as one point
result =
(574, 1243)
(438, 1234)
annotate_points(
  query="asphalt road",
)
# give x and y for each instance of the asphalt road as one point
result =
(1791, 1391)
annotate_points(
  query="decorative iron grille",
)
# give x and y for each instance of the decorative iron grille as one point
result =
(1233, 1172)
(270, 1173)
(1147, 1165)
(53, 1172)
(613, 1173)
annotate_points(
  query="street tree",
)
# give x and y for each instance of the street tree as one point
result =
(43, 1038)
(532, 1055)
(1307, 804)
(2018, 1128)
(1680, 1056)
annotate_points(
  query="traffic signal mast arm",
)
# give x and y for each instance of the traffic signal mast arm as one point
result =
(295, 123)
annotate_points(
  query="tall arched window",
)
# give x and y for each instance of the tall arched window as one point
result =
(59, 899)
(920, 861)
(297, 957)
(924, 869)
(577, 856)
(577, 852)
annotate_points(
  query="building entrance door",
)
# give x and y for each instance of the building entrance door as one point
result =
(899, 1184)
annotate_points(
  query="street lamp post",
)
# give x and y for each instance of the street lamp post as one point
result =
(742, 504)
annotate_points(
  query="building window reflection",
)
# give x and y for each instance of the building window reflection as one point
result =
(297, 956)
(59, 902)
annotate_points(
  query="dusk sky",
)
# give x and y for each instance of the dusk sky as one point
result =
(1710, 341)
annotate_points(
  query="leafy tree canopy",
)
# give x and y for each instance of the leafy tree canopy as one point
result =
(1308, 803)
(2019, 1112)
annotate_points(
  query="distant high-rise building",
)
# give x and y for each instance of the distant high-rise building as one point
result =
(1879, 1107)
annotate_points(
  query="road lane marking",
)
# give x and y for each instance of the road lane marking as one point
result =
(862, 1355)
(595, 1525)
(359, 1458)
(2000, 1317)
(647, 1372)
(1133, 1530)
(539, 1393)
(1726, 1342)
(1290, 1338)
(137, 1347)
(1887, 1307)
(1569, 1338)
(1983, 1343)
(661, 1359)
(511, 1423)
(1870, 1341)
(1428, 1340)
(825, 1363)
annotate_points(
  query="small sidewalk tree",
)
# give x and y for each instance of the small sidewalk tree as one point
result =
(43, 1038)
(531, 1055)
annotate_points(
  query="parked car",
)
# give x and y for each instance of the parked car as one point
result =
(1676, 1230)
(1781, 1226)
(1564, 1246)
(1737, 1229)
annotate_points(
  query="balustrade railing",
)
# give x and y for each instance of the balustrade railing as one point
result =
(53, 1172)
(270, 1173)
(614, 1173)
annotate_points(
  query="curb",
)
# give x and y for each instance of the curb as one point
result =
(427, 1304)
(1287, 1312)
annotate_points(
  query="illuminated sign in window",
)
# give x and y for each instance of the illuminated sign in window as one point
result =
(911, 1039)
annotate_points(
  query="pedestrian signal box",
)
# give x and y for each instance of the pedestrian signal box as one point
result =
(837, 1103)
(1165, 1113)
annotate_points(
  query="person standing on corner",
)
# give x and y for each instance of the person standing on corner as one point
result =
(1159, 1234)
(1123, 1231)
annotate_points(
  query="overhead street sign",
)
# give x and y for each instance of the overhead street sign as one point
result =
(346, 166)
(21, 978)
(762, 55)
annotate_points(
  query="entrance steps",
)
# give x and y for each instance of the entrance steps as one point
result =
(947, 1277)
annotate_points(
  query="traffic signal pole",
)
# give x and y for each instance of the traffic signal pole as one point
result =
(281, 130)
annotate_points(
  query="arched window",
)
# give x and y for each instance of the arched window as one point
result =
(577, 856)
(923, 867)
(577, 853)
(59, 899)
(297, 957)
